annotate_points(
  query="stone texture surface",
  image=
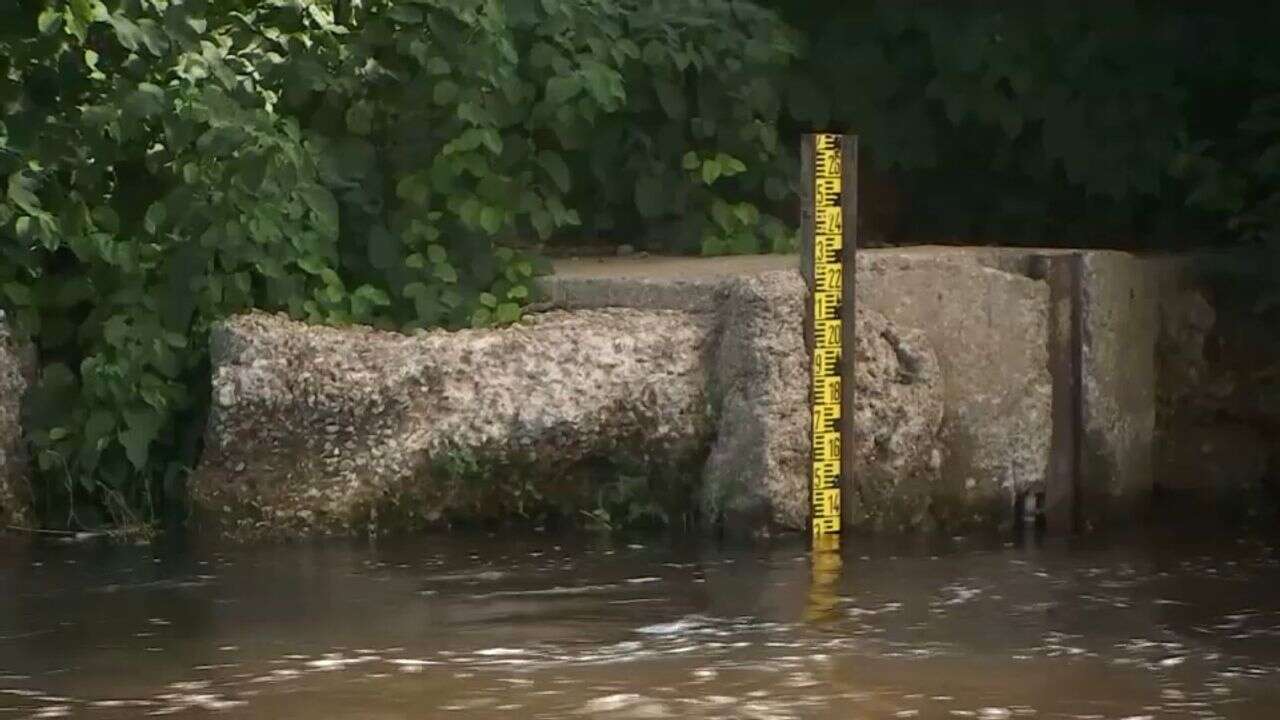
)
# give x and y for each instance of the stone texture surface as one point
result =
(984, 321)
(16, 367)
(984, 317)
(317, 429)
(960, 404)
(989, 330)
(1119, 326)
(757, 474)
(1217, 419)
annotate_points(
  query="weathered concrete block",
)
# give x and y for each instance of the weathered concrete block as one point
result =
(16, 367)
(317, 429)
(982, 375)
(1217, 423)
(1119, 323)
(981, 316)
(989, 329)
(758, 472)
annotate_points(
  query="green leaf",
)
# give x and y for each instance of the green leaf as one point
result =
(22, 193)
(79, 14)
(146, 101)
(312, 265)
(691, 161)
(155, 218)
(324, 206)
(18, 294)
(518, 292)
(142, 428)
(710, 171)
(446, 273)
(372, 295)
(747, 214)
(603, 82)
(542, 223)
(100, 425)
(415, 290)
(723, 215)
(562, 89)
(445, 92)
(436, 253)
(153, 37)
(730, 165)
(50, 21)
(360, 118)
(492, 140)
(491, 219)
(507, 313)
(488, 300)
(556, 168)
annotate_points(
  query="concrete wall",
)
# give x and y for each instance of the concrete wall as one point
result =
(989, 329)
(1119, 307)
(1076, 377)
(1049, 362)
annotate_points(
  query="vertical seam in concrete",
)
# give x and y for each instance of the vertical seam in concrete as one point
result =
(1076, 273)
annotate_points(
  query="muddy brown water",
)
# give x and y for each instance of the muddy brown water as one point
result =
(533, 627)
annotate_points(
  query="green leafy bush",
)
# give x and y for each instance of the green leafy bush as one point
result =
(463, 124)
(1033, 122)
(150, 190)
(166, 163)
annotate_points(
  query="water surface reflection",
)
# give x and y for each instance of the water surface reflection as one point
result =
(542, 628)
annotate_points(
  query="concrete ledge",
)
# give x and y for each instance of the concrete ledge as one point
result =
(989, 329)
(1047, 357)
(988, 379)
(987, 326)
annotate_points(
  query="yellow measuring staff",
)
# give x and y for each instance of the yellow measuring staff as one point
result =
(828, 241)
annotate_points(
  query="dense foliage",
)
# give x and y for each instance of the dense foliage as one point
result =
(164, 163)
(1033, 122)
(168, 162)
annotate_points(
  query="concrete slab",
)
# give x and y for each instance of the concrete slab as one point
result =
(987, 326)
(989, 329)
(1119, 324)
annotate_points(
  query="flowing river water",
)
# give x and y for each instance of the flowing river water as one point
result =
(532, 627)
